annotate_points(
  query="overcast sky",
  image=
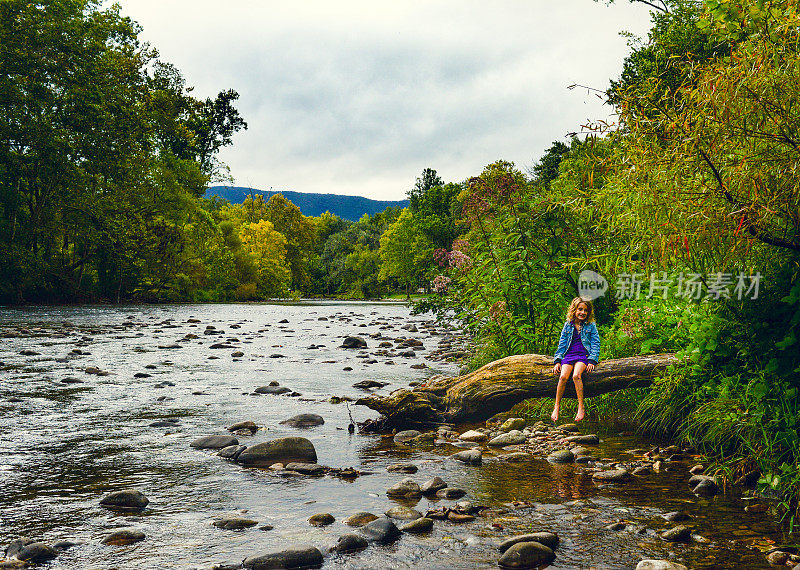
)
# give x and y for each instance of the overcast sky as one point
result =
(358, 97)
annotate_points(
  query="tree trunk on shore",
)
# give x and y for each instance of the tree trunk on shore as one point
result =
(501, 384)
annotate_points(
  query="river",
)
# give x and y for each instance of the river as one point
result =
(69, 437)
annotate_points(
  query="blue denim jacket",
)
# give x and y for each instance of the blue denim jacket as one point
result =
(589, 337)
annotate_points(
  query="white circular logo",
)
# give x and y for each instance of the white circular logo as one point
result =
(591, 285)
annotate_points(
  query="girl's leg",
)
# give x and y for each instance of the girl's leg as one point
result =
(566, 370)
(577, 378)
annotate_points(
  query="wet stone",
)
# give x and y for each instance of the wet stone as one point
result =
(588, 439)
(612, 476)
(417, 526)
(513, 437)
(273, 390)
(406, 487)
(679, 533)
(549, 539)
(297, 557)
(304, 420)
(234, 523)
(526, 555)
(360, 519)
(471, 457)
(231, 452)
(321, 519)
(409, 468)
(403, 513)
(123, 537)
(214, 442)
(382, 531)
(473, 436)
(563, 456)
(125, 499)
(245, 426)
(407, 435)
(350, 543)
(431, 486)
(659, 565)
(450, 493)
(513, 424)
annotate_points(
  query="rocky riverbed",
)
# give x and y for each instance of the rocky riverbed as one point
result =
(221, 436)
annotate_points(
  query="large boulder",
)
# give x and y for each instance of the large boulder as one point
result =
(297, 557)
(284, 450)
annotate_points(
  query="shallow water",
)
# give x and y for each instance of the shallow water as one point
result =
(65, 445)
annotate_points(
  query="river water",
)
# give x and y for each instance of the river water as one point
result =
(69, 437)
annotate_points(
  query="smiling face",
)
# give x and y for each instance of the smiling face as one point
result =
(581, 312)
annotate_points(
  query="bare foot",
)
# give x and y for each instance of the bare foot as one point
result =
(579, 416)
(554, 415)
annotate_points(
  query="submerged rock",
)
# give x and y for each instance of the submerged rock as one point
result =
(417, 526)
(234, 523)
(245, 426)
(405, 488)
(297, 557)
(126, 499)
(214, 442)
(471, 457)
(321, 519)
(407, 435)
(274, 390)
(563, 456)
(304, 421)
(679, 533)
(283, 450)
(124, 537)
(659, 565)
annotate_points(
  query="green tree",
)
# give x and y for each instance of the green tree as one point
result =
(406, 253)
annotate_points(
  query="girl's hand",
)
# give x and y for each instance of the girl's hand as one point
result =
(557, 369)
(589, 367)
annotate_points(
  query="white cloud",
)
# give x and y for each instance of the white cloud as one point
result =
(359, 97)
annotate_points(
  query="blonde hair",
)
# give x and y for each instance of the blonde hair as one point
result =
(573, 306)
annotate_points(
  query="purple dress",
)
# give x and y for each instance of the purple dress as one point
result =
(576, 352)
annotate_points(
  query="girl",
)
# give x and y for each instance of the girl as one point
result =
(578, 350)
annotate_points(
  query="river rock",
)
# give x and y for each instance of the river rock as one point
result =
(417, 526)
(306, 468)
(407, 435)
(350, 543)
(563, 456)
(471, 456)
(513, 437)
(360, 519)
(473, 436)
(275, 390)
(549, 539)
(431, 486)
(612, 476)
(642, 470)
(231, 452)
(706, 488)
(297, 557)
(778, 558)
(403, 513)
(588, 439)
(526, 555)
(518, 457)
(234, 523)
(304, 420)
(382, 531)
(283, 450)
(354, 342)
(126, 499)
(321, 519)
(450, 493)
(406, 487)
(31, 551)
(679, 533)
(659, 565)
(677, 516)
(617, 526)
(367, 384)
(214, 442)
(124, 537)
(513, 424)
(408, 468)
(246, 426)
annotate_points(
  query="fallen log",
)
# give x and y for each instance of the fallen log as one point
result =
(501, 384)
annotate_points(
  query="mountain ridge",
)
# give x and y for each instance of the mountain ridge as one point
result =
(311, 204)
